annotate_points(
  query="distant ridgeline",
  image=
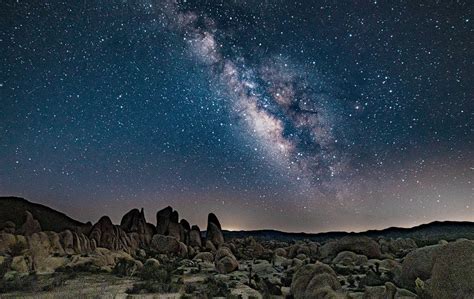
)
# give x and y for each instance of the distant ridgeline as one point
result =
(13, 209)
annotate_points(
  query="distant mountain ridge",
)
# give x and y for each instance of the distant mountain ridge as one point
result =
(448, 230)
(14, 209)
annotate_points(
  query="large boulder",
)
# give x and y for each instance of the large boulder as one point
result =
(176, 230)
(214, 231)
(111, 236)
(67, 241)
(387, 291)
(452, 275)
(163, 219)
(39, 248)
(55, 244)
(12, 244)
(357, 244)
(30, 226)
(195, 236)
(225, 260)
(165, 244)
(20, 264)
(418, 264)
(397, 246)
(349, 258)
(9, 227)
(204, 256)
(134, 222)
(315, 281)
(186, 229)
(297, 249)
(101, 259)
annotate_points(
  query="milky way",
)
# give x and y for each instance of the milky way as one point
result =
(275, 100)
(293, 115)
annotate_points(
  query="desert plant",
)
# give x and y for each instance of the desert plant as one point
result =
(125, 267)
(151, 286)
(18, 282)
(216, 288)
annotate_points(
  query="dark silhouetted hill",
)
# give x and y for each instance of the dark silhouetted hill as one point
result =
(14, 209)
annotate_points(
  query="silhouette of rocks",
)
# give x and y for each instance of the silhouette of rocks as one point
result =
(31, 225)
(111, 236)
(214, 232)
(163, 218)
(135, 224)
(195, 236)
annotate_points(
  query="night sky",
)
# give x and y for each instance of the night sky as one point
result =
(293, 115)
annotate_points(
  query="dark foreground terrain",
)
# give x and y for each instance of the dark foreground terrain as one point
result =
(46, 254)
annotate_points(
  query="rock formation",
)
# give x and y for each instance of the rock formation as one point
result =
(195, 236)
(360, 245)
(452, 275)
(214, 232)
(30, 226)
(225, 261)
(112, 237)
(315, 281)
(134, 223)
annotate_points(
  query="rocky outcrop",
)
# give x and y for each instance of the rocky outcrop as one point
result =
(112, 237)
(30, 226)
(360, 245)
(168, 224)
(452, 275)
(315, 281)
(397, 246)
(12, 244)
(101, 259)
(204, 256)
(163, 219)
(348, 258)
(214, 231)
(165, 244)
(134, 222)
(185, 230)
(389, 290)
(225, 260)
(418, 264)
(9, 227)
(195, 236)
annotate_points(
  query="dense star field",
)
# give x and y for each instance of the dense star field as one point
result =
(294, 115)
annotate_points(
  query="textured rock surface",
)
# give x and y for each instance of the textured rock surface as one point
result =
(165, 244)
(225, 260)
(109, 236)
(30, 226)
(418, 264)
(163, 218)
(360, 245)
(315, 281)
(453, 271)
(195, 236)
(214, 232)
(134, 222)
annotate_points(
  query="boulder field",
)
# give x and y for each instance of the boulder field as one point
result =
(175, 258)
